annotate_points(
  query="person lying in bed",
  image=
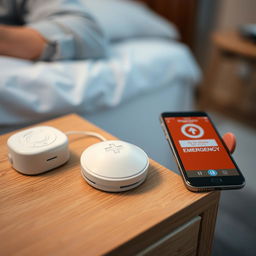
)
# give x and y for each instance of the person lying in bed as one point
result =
(49, 30)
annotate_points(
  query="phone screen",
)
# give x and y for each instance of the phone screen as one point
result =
(199, 147)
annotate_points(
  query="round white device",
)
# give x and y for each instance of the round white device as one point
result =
(114, 166)
(38, 150)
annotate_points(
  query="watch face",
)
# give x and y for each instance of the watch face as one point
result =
(49, 52)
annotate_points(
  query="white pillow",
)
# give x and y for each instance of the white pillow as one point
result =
(123, 19)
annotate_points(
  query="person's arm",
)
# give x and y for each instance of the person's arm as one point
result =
(69, 29)
(21, 42)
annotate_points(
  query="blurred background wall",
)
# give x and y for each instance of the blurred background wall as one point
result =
(220, 15)
(233, 13)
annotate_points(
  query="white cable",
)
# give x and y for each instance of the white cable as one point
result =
(93, 134)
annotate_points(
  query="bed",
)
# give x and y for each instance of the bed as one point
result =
(150, 69)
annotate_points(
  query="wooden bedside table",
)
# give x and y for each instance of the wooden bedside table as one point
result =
(58, 213)
(230, 81)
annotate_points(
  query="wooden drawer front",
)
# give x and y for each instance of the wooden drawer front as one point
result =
(181, 242)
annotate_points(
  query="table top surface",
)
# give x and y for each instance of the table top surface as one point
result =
(232, 41)
(47, 212)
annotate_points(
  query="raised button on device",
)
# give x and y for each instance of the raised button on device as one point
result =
(38, 138)
(212, 172)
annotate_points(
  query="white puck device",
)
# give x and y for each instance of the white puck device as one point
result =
(37, 150)
(114, 166)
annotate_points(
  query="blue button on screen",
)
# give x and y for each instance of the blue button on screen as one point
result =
(212, 172)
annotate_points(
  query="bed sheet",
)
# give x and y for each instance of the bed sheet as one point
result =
(31, 91)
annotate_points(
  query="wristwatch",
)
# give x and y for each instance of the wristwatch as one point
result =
(49, 52)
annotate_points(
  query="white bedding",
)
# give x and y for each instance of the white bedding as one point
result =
(35, 91)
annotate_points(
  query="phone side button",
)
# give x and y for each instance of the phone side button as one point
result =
(216, 181)
(164, 129)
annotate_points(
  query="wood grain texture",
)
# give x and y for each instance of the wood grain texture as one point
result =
(58, 213)
(181, 242)
(207, 230)
(226, 89)
(231, 41)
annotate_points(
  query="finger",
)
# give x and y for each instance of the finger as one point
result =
(230, 141)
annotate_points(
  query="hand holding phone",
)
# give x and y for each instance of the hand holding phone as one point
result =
(203, 158)
(230, 141)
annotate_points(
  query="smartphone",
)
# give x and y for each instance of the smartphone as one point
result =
(202, 157)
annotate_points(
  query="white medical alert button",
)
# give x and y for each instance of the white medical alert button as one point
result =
(37, 150)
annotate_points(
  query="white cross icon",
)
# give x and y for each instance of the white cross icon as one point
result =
(115, 149)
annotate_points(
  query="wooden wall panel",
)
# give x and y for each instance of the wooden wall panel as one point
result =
(182, 13)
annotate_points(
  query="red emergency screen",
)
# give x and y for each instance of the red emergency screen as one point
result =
(199, 147)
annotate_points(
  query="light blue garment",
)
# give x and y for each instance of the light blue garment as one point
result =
(71, 31)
